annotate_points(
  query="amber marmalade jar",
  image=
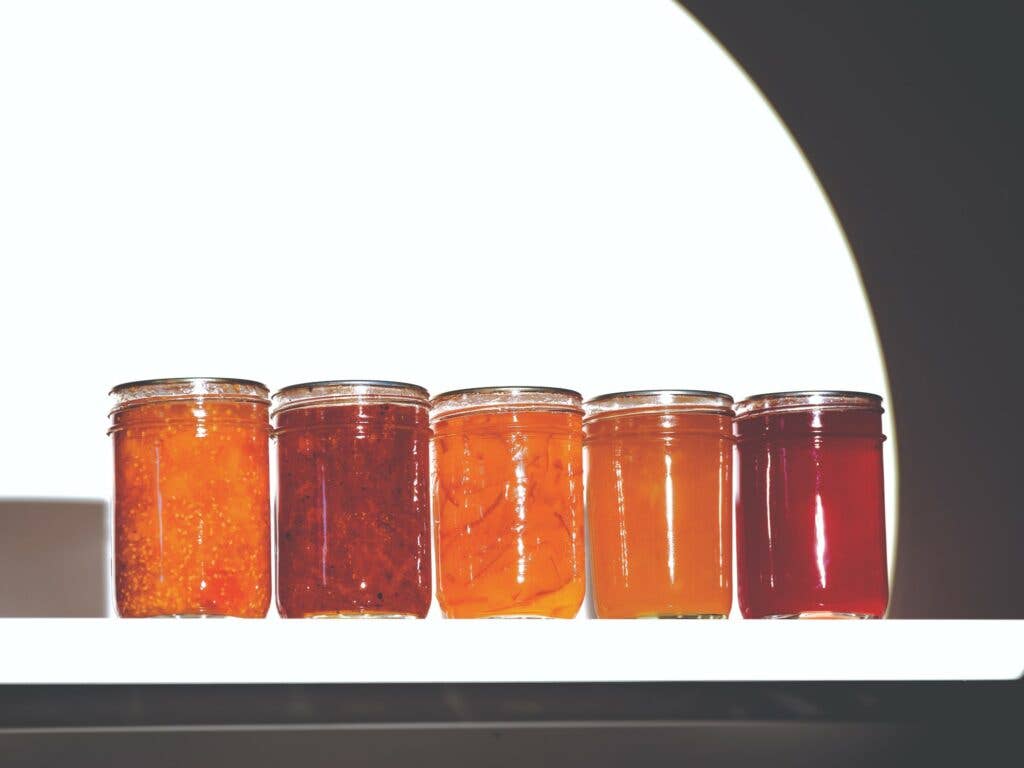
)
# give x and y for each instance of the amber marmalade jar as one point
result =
(191, 498)
(353, 504)
(810, 506)
(659, 503)
(508, 502)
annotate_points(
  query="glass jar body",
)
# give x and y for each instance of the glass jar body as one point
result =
(659, 514)
(353, 511)
(810, 513)
(192, 507)
(508, 517)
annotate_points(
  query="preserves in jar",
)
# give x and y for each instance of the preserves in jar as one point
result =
(353, 503)
(191, 498)
(810, 506)
(659, 503)
(508, 493)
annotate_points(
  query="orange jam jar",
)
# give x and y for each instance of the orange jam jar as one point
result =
(191, 498)
(508, 502)
(659, 503)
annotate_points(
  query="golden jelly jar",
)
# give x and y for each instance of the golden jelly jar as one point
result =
(659, 503)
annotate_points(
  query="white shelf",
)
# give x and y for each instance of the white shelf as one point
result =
(386, 651)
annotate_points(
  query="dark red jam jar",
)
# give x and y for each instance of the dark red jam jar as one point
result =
(810, 509)
(353, 500)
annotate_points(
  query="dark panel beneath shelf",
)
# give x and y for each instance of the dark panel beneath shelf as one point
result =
(107, 706)
(746, 744)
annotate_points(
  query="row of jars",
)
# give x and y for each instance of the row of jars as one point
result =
(361, 464)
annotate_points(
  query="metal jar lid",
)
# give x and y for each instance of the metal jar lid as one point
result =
(316, 394)
(188, 387)
(463, 401)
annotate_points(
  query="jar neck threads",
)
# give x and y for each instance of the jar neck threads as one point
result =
(808, 400)
(323, 394)
(136, 393)
(462, 402)
(657, 401)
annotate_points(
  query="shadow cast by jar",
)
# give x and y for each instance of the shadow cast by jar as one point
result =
(54, 558)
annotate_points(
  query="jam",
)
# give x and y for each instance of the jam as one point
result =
(191, 498)
(659, 504)
(508, 492)
(810, 509)
(353, 514)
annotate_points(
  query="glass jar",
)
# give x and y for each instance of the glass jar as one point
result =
(810, 508)
(659, 503)
(353, 508)
(191, 498)
(508, 493)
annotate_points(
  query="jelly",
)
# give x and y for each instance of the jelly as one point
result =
(810, 510)
(659, 503)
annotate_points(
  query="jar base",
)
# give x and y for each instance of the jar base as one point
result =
(513, 616)
(355, 615)
(187, 615)
(696, 616)
(821, 615)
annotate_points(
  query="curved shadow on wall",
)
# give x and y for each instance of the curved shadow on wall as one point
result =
(903, 116)
(891, 448)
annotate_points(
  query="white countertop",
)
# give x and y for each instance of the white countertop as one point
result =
(408, 651)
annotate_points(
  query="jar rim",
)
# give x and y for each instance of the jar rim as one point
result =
(186, 388)
(463, 401)
(383, 383)
(175, 380)
(639, 400)
(805, 399)
(507, 388)
(348, 392)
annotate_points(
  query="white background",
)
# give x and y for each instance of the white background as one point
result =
(580, 194)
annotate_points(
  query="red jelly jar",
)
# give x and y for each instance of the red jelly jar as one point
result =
(810, 509)
(353, 500)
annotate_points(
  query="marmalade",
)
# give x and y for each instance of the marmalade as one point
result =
(508, 502)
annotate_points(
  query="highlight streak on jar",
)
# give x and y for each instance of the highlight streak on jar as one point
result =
(670, 542)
